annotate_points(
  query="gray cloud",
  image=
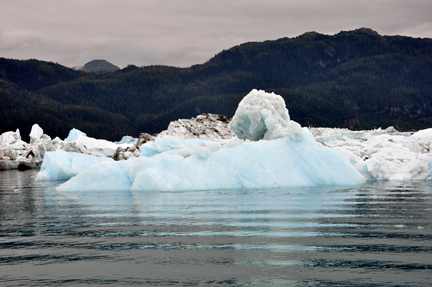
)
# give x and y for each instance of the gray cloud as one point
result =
(187, 32)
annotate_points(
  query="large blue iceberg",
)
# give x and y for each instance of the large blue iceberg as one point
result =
(271, 151)
(195, 165)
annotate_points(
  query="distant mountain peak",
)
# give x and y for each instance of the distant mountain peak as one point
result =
(310, 34)
(368, 31)
(99, 66)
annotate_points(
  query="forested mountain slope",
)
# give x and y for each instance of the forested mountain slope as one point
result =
(357, 79)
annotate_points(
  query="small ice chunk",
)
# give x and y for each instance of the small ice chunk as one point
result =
(127, 140)
(184, 153)
(97, 147)
(73, 135)
(36, 133)
(8, 138)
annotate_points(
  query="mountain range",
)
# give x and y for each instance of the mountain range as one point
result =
(356, 79)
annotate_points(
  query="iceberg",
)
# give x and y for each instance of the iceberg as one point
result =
(9, 138)
(172, 164)
(17, 154)
(273, 151)
(383, 154)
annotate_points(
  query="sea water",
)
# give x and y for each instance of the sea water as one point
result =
(376, 234)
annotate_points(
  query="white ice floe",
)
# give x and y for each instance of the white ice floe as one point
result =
(383, 154)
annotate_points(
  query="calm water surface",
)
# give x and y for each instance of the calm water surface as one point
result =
(377, 234)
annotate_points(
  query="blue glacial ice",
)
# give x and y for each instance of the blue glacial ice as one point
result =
(73, 135)
(270, 150)
(62, 165)
(172, 164)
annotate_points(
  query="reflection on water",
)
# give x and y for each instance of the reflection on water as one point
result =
(377, 234)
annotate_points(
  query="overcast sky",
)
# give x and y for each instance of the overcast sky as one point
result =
(186, 32)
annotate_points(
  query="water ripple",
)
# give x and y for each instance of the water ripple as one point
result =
(376, 234)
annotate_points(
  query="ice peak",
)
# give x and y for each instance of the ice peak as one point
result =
(262, 115)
